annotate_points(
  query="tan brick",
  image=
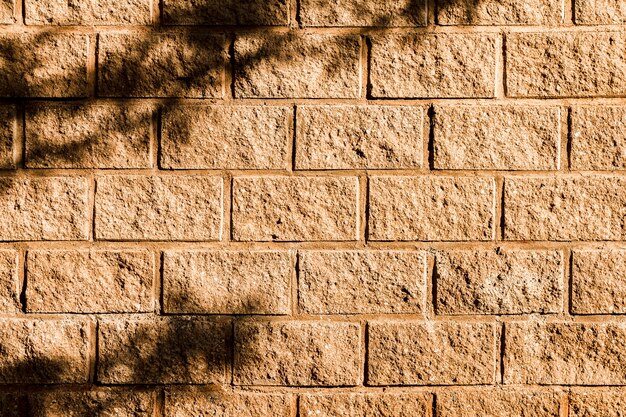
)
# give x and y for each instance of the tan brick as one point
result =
(200, 403)
(610, 403)
(163, 351)
(226, 137)
(599, 282)
(284, 65)
(88, 136)
(565, 64)
(498, 403)
(7, 12)
(598, 137)
(497, 137)
(158, 208)
(161, 65)
(294, 208)
(597, 12)
(43, 64)
(418, 353)
(433, 65)
(89, 281)
(297, 353)
(363, 13)
(565, 353)
(361, 282)
(564, 208)
(369, 405)
(53, 208)
(8, 129)
(500, 12)
(9, 284)
(431, 208)
(498, 282)
(353, 137)
(87, 12)
(228, 12)
(44, 351)
(227, 282)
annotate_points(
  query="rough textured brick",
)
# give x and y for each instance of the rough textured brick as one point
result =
(87, 12)
(53, 208)
(226, 137)
(417, 353)
(498, 403)
(599, 282)
(9, 285)
(598, 137)
(283, 65)
(204, 404)
(352, 137)
(499, 282)
(43, 64)
(294, 208)
(598, 12)
(431, 208)
(597, 404)
(363, 13)
(8, 129)
(497, 137)
(163, 351)
(369, 405)
(457, 65)
(500, 12)
(161, 65)
(88, 136)
(89, 281)
(227, 282)
(44, 351)
(564, 208)
(158, 208)
(564, 64)
(7, 11)
(229, 12)
(337, 282)
(297, 353)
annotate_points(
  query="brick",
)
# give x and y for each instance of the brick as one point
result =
(497, 137)
(598, 12)
(294, 208)
(599, 282)
(500, 12)
(44, 351)
(158, 208)
(227, 282)
(598, 138)
(242, 404)
(9, 284)
(90, 12)
(564, 208)
(565, 64)
(88, 136)
(458, 65)
(355, 137)
(229, 12)
(284, 65)
(52, 208)
(565, 353)
(498, 403)
(361, 282)
(417, 353)
(161, 65)
(369, 405)
(309, 353)
(431, 208)
(362, 13)
(163, 351)
(89, 281)
(43, 64)
(498, 282)
(8, 130)
(597, 403)
(7, 12)
(226, 137)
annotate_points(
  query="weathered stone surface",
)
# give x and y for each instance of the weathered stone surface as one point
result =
(161, 65)
(370, 405)
(498, 403)
(564, 208)
(297, 353)
(597, 403)
(8, 128)
(365, 282)
(353, 137)
(565, 64)
(7, 11)
(87, 12)
(598, 137)
(227, 282)
(497, 137)
(158, 208)
(163, 351)
(499, 282)
(228, 12)
(284, 65)
(598, 12)
(9, 285)
(89, 281)
(431, 208)
(599, 282)
(433, 65)
(418, 353)
(500, 12)
(226, 137)
(294, 208)
(363, 13)
(199, 403)
(88, 136)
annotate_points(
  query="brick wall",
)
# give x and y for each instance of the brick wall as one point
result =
(312, 208)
